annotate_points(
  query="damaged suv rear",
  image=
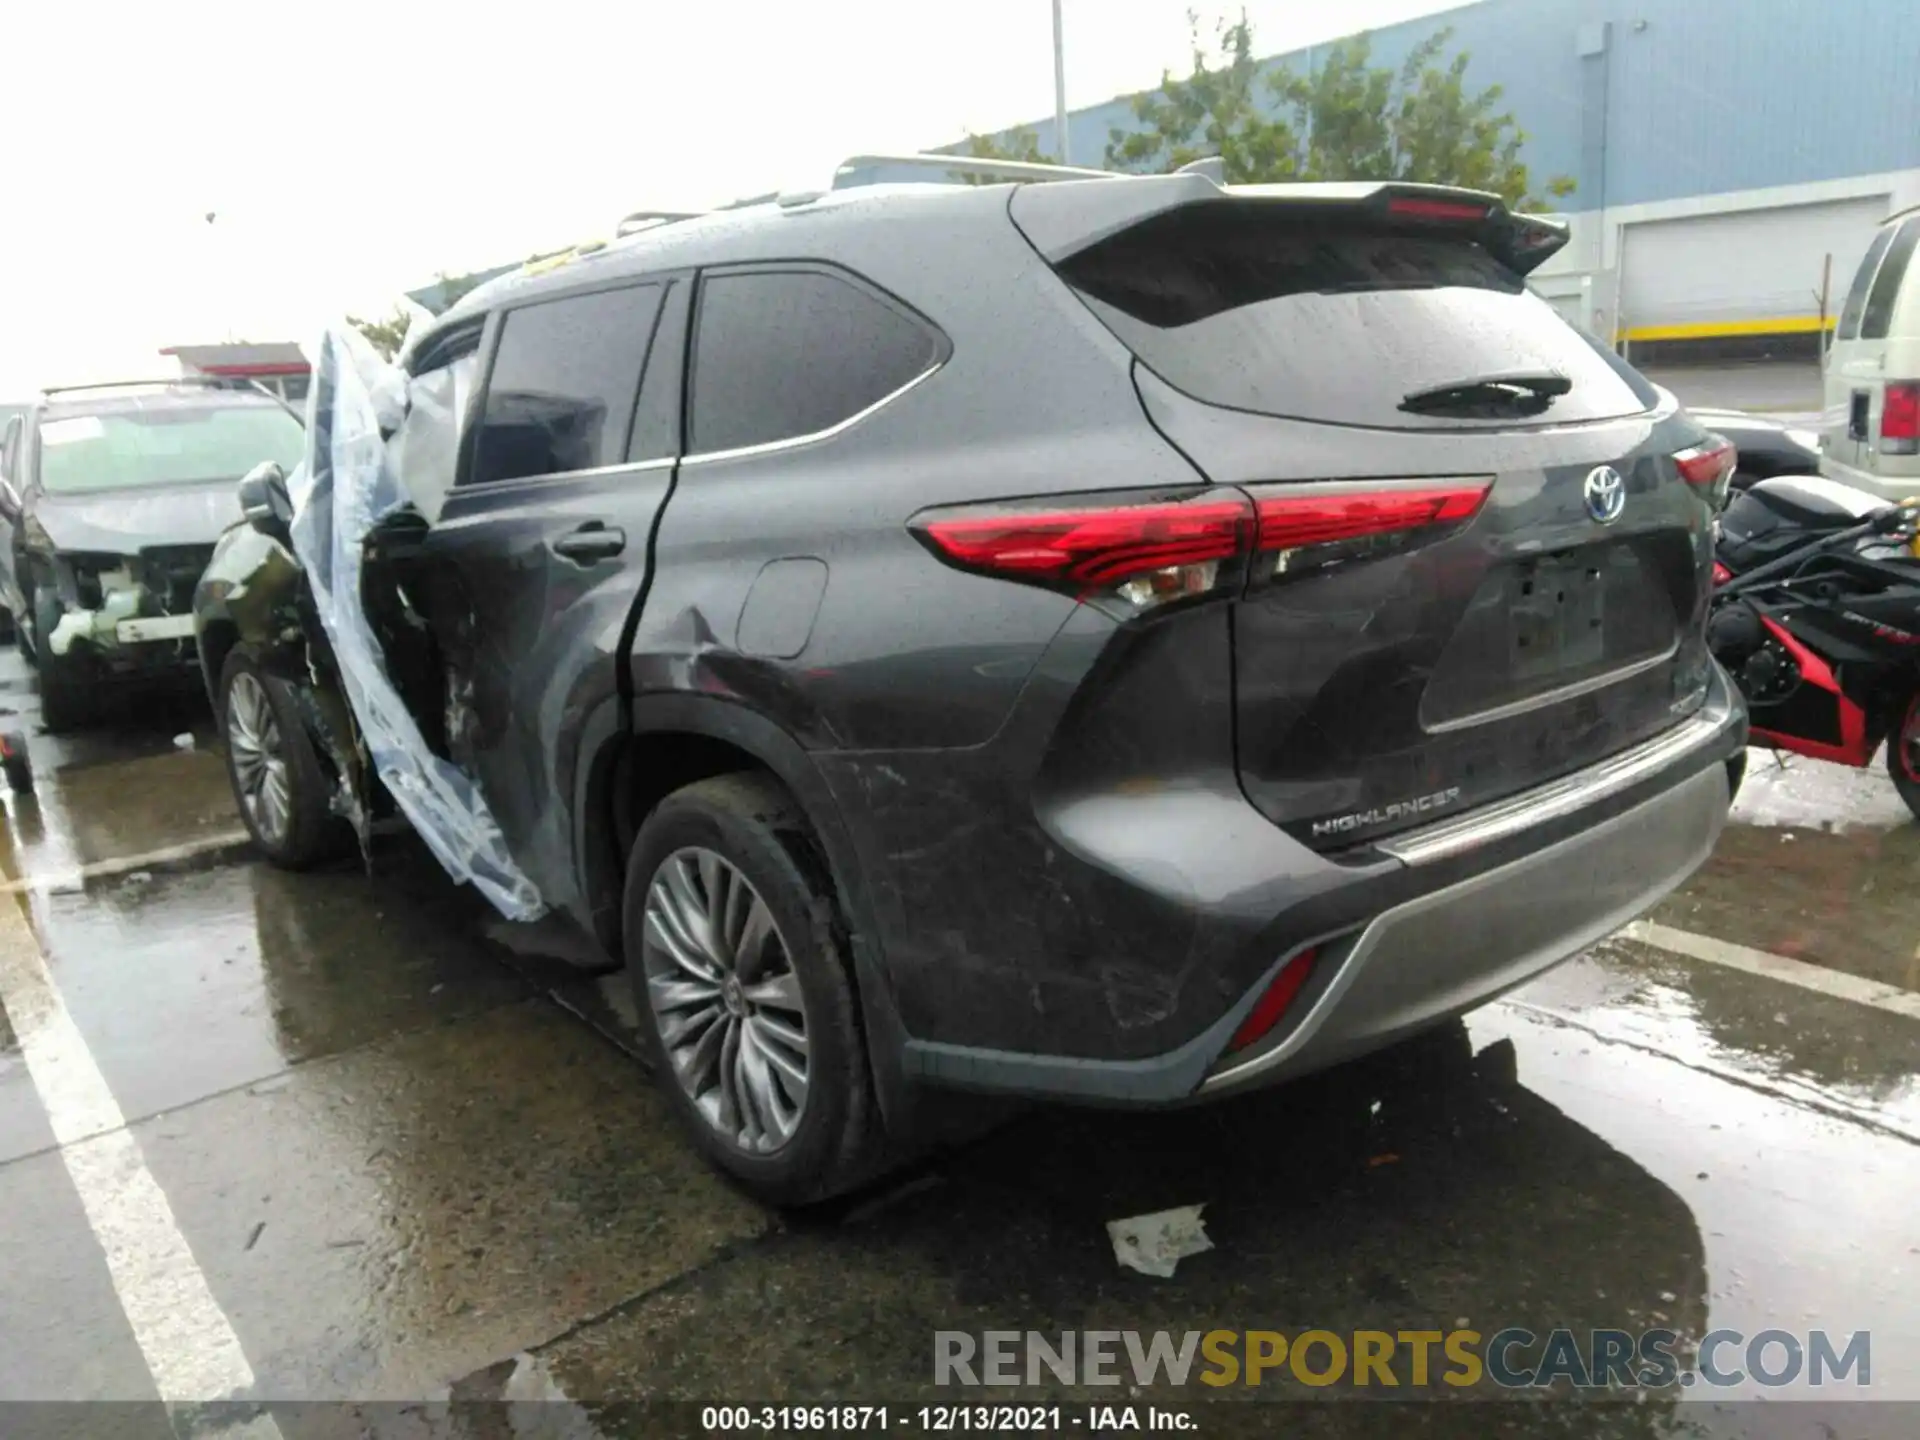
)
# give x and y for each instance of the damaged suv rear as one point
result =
(1127, 639)
(111, 498)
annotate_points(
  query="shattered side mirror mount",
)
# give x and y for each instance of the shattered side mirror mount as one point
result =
(265, 502)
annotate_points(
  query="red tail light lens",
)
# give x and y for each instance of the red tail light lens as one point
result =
(1705, 466)
(1147, 551)
(1288, 522)
(1268, 1009)
(1900, 418)
(1721, 574)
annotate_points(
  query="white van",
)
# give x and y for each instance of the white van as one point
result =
(1870, 431)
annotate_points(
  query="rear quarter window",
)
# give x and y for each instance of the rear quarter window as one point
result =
(1876, 316)
(1334, 320)
(783, 354)
(1848, 327)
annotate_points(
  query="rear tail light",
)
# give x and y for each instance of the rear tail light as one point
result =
(1708, 467)
(1900, 418)
(1146, 549)
(1721, 574)
(1323, 516)
(1143, 551)
(1310, 527)
(1274, 1001)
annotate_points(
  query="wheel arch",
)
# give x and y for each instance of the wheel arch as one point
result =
(692, 737)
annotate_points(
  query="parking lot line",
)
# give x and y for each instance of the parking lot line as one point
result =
(76, 877)
(1817, 978)
(189, 1345)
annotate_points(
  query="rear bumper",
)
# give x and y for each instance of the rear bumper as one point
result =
(1447, 918)
(1458, 947)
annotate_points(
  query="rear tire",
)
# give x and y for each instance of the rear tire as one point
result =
(754, 1035)
(278, 784)
(1903, 754)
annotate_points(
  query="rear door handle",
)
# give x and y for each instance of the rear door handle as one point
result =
(595, 540)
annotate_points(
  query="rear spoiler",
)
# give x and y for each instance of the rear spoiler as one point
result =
(1063, 220)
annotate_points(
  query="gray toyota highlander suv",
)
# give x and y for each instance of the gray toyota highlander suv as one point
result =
(1124, 640)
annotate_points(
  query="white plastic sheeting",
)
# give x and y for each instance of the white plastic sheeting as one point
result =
(348, 484)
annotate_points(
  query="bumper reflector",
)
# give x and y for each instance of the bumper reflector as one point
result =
(1268, 1009)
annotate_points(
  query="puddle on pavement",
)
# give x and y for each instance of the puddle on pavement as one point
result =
(415, 1209)
(185, 984)
(1843, 899)
(1845, 1058)
(1424, 1190)
(1805, 1219)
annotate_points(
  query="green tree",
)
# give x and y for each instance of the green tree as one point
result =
(384, 335)
(1021, 144)
(1348, 120)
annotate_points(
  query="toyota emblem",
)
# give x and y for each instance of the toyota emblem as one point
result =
(1606, 494)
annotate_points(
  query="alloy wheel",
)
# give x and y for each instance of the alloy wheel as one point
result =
(726, 1000)
(258, 758)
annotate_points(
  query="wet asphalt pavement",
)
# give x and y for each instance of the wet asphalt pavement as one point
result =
(400, 1156)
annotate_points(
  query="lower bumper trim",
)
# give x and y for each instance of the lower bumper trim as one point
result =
(1451, 949)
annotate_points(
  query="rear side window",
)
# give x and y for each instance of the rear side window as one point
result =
(1856, 302)
(780, 354)
(1333, 320)
(1885, 294)
(564, 382)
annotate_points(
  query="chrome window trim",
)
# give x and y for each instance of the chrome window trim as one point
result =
(476, 487)
(791, 442)
(1553, 800)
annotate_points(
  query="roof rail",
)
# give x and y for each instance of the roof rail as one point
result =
(646, 219)
(212, 381)
(980, 165)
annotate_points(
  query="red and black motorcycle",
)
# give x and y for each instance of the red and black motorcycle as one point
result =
(1816, 614)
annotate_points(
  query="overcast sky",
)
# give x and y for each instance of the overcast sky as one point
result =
(351, 149)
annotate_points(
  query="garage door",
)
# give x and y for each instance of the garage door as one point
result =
(1739, 272)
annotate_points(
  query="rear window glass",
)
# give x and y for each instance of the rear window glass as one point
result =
(165, 444)
(1856, 301)
(1335, 321)
(1885, 294)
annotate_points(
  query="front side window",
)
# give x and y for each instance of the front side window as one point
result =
(780, 354)
(564, 382)
(166, 443)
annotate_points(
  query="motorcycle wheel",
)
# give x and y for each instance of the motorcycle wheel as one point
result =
(1903, 754)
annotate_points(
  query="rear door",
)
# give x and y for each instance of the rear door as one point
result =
(531, 571)
(1479, 563)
